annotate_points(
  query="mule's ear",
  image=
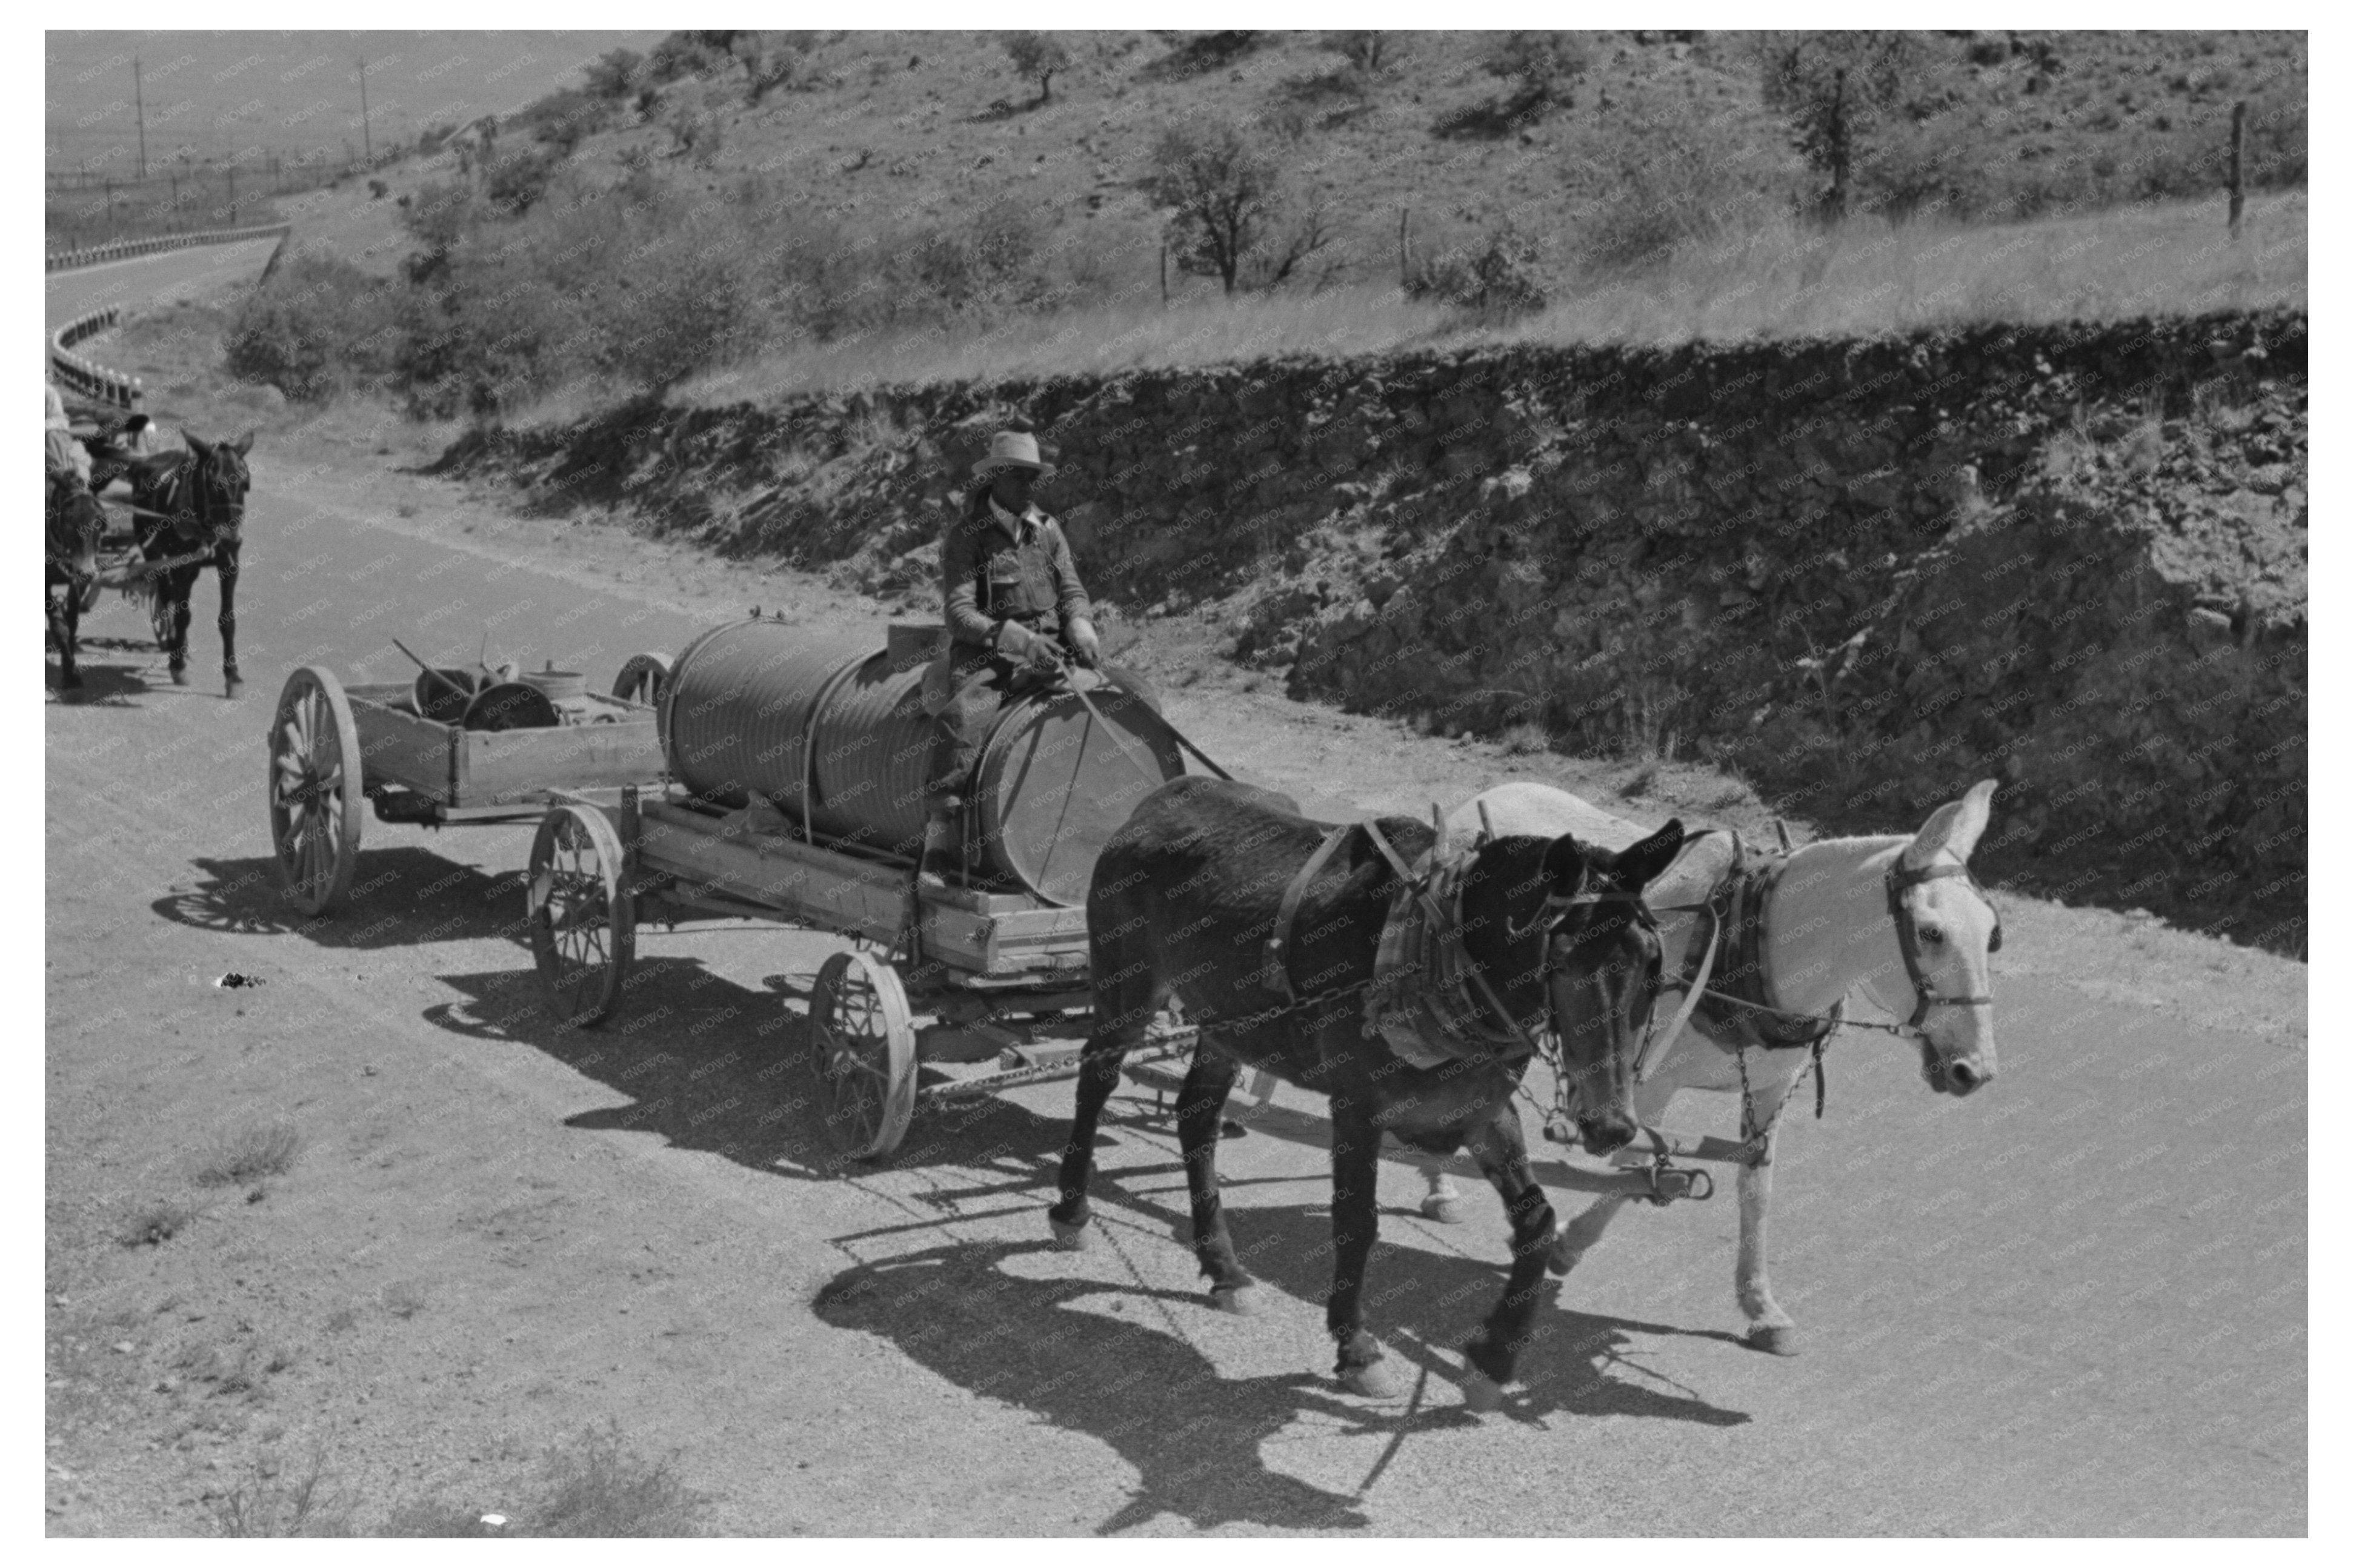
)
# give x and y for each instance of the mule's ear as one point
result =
(1956, 825)
(195, 442)
(1563, 867)
(1640, 866)
(243, 444)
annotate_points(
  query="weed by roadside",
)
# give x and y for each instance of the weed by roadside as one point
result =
(265, 1150)
(591, 1487)
(277, 1506)
(152, 1225)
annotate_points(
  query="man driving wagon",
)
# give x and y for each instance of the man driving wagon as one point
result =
(1016, 613)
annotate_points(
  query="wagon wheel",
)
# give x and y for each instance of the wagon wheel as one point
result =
(641, 680)
(862, 1045)
(316, 789)
(583, 926)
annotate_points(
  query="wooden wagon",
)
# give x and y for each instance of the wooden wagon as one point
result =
(1002, 976)
(336, 751)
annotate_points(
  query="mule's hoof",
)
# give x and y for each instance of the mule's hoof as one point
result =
(1559, 1260)
(1773, 1339)
(1481, 1393)
(1373, 1380)
(179, 678)
(235, 687)
(1242, 1301)
(1442, 1210)
(1069, 1237)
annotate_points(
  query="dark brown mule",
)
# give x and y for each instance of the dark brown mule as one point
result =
(73, 524)
(194, 500)
(1183, 897)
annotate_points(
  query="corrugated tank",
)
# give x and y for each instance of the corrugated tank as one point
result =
(833, 734)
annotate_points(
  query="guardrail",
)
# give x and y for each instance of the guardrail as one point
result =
(122, 249)
(87, 377)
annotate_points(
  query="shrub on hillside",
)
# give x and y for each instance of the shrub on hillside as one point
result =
(318, 326)
(1494, 277)
(562, 119)
(1368, 54)
(615, 75)
(690, 313)
(439, 216)
(519, 179)
(1674, 177)
(1541, 67)
(965, 266)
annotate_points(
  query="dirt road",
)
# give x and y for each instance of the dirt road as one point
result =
(2075, 1305)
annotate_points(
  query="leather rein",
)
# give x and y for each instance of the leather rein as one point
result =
(1275, 974)
(197, 523)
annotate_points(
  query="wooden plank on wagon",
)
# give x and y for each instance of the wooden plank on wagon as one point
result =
(398, 747)
(496, 767)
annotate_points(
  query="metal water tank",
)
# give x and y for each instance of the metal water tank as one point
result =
(833, 734)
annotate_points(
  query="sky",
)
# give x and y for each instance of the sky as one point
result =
(215, 94)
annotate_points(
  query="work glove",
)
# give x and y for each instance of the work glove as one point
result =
(1043, 656)
(1080, 635)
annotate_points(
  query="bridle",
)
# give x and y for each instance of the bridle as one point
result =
(213, 492)
(1907, 937)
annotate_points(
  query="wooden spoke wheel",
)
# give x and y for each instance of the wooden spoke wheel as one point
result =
(583, 925)
(862, 1046)
(316, 798)
(642, 680)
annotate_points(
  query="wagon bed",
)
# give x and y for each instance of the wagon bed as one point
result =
(336, 752)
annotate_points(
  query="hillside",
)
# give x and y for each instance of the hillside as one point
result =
(894, 130)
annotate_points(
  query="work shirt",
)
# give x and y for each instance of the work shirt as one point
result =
(1008, 579)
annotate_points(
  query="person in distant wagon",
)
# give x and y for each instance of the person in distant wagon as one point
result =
(61, 452)
(1016, 611)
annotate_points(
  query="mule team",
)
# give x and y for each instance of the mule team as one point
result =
(1266, 929)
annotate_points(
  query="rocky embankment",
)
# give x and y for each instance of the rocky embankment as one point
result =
(1861, 574)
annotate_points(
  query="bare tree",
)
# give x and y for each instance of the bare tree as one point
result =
(1037, 56)
(1223, 188)
(1226, 191)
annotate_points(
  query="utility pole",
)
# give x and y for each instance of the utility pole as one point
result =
(232, 195)
(139, 97)
(367, 147)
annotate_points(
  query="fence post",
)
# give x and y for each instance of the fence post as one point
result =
(1164, 274)
(2238, 153)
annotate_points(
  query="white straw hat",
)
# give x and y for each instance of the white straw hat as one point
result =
(1012, 450)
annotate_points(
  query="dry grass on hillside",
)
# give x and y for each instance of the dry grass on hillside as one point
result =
(2174, 259)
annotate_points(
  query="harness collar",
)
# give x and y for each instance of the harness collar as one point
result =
(1741, 1002)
